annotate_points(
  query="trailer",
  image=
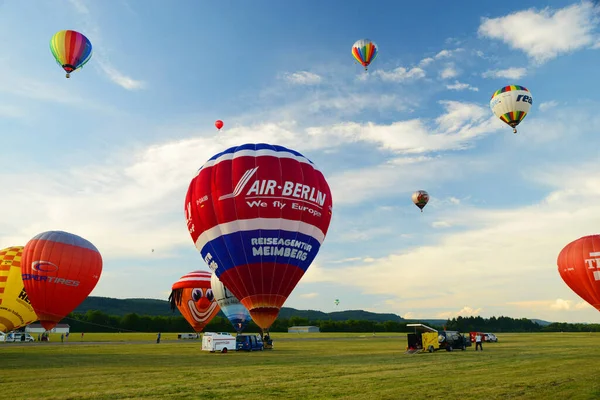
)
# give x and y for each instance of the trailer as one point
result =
(218, 341)
(424, 338)
(428, 339)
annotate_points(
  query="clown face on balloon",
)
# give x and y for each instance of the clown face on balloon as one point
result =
(193, 296)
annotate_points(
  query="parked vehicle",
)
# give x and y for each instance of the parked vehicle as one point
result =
(491, 337)
(187, 336)
(451, 340)
(218, 341)
(19, 337)
(428, 339)
(2, 337)
(485, 337)
(249, 342)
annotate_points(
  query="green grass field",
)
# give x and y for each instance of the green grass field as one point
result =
(329, 366)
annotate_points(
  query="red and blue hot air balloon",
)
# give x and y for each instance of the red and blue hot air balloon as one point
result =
(59, 271)
(258, 214)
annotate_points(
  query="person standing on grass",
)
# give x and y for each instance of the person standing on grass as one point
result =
(82, 336)
(62, 337)
(478, 342)
(158, 338)
(67, 336)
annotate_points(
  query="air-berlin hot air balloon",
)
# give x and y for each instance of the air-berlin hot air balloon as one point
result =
(365, 52)
(218, 124)
(579, 266)
(59, 271)
(235, 311)
(194, 298)
(15, 308)
(511, 104)
(258, 214)
(71, 49)
(420, 198)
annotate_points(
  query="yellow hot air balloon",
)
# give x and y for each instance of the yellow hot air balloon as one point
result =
(15, 309)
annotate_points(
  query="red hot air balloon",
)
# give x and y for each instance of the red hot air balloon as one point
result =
(258, 214)
(219, 124)
(59, 271)
(193, 296)
(579, 266)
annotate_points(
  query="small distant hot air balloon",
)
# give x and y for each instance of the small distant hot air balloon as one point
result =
(420, 198)
(59, 271)
(365, 52)
(71, 49)
(337, 302)
(15, 309)
(511, 104)
(235, 311)
(218, 124)
(579, 266)
(258, 214)
(194, 298)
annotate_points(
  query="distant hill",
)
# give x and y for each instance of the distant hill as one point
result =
(154, 307)
(540, 322)
(121, 307)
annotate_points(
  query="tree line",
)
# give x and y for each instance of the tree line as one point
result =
(97, 321)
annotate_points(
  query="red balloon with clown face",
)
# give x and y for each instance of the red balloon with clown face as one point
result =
(193, 296)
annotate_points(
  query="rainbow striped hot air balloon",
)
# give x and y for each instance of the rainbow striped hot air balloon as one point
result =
(71, 50)
(364, 52)
(511, 104)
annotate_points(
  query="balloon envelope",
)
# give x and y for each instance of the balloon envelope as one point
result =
(194, 298)
(235, 311)
(70, 49)
(15, 308)
(59, 271)
(365, 52)
(258, 214)
(218, 124)
(511, 104)
(420, 198)
(579, 266)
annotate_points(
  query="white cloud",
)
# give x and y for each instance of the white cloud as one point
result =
(448, 72)
(309, 295)
(508, 73)
(9, 111)
(561, 304)
(79, 6)
(495, 247)
(461, 86)
(548, 105)
(440, 55)
(466, 311)
(557, 305)
(461, 123)
(401, 74)
(441, 224)
(544, 34)
(426, 61)
(448, 53)
(303, 78)
(100, 57)
(117, 77)
(357, 235)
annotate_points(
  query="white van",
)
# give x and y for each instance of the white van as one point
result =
(218, 341)
(187, 336)
(19, 337)
(2, 337)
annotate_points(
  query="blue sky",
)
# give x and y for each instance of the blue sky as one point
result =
(109, 153)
